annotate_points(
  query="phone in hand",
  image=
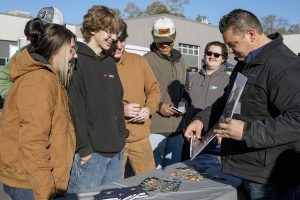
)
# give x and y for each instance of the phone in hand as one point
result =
(177, 110)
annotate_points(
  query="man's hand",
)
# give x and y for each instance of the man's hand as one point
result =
(166, 110)
(144, 114)
(231, 128)
(131, 109)
(194, 128)
(83, 160)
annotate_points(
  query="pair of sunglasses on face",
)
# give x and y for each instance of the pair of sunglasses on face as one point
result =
(216, 55)
(165, 43)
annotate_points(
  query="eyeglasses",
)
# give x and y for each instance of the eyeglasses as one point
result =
(109, 34)
(216, 55)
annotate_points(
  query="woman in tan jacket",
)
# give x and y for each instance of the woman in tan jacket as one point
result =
(37, 138)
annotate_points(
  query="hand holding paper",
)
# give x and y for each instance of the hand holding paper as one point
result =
(231, 128)
(194, 129)
(141, 116)
(131, 109)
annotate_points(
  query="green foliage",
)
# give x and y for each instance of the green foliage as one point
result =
(176, 6)
(132, 10)
(172, 7)
(157, 7)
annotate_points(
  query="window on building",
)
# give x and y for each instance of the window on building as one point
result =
(189, 49)
(3, 61)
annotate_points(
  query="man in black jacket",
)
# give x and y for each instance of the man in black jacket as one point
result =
(261, 143)
(96, 97)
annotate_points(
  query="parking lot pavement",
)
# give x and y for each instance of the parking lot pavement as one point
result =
(3, 196)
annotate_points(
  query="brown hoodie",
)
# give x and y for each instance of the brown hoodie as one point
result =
(37, 138)
(140, 86)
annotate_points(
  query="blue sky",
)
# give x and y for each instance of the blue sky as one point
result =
(75, 9)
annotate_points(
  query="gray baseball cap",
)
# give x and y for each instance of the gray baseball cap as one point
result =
(51, 15)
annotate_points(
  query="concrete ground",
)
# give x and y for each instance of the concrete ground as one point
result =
(3, 195)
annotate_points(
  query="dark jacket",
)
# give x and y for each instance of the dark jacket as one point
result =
(171, 75)
(270, 107)
(96, 97)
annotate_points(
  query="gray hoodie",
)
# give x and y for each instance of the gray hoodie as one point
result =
(204, 90)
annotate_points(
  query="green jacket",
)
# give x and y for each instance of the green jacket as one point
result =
(5, 82)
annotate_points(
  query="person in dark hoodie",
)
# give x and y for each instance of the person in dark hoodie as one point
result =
(261, 143)
(37, 137)
(170, 71)
(96, 96)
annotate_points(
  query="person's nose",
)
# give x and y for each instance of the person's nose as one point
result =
(114, 36)
(75, 55)
(119, 46)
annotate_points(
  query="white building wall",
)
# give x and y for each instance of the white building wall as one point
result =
(293, 42)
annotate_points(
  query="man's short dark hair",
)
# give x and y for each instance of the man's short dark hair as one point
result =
(123, 31)
(240, 20)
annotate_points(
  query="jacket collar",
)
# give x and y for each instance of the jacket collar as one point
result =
(216, 73)
(123, 59)
(267, 50)
(175, 54)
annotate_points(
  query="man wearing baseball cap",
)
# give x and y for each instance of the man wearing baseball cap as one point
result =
(170, 70)
(47, 15)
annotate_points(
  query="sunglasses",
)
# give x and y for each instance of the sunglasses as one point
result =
(216, 55)
(164, 43)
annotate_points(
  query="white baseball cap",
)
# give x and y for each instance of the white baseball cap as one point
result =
(51, 15)
(163, 30)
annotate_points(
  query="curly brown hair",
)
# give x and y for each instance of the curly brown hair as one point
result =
(99, 18)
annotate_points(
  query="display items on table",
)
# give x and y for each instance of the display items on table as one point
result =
(125, 193)
(153, 184)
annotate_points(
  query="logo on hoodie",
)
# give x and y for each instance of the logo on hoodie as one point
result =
(212, 87)
(107, 76)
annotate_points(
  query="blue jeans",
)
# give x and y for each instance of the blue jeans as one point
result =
(260, 191)
(18, 193)
(99, 170)
(166, 150)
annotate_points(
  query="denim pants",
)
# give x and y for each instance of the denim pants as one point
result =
(166, 150)
(18, 193)
(99, 170)
(260, 191)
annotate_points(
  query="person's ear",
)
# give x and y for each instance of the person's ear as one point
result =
(251, 35)
(93, 32)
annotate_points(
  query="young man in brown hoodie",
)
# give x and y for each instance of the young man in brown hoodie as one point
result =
(141, 99)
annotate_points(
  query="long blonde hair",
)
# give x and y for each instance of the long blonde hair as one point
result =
(53, 42)
(64, 68)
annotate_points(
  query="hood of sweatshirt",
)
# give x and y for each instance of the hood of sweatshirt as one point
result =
(26, 62)
(84, 49)
(218, 72)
